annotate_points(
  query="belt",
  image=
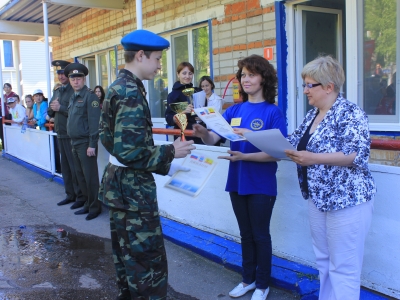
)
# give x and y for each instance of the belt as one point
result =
(115, 162)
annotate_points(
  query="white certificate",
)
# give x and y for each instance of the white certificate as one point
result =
(270, 141)
(216, 122)
(201, 167)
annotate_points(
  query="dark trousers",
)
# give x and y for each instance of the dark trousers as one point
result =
(71, 185)
(253, 213)
(88, 176)
(1, 131)
(139, 254)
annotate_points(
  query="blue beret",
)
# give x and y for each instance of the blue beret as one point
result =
(144, 40)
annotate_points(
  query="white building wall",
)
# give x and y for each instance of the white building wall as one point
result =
(33, 67)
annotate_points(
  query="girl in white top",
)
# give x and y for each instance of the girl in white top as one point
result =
(211, 99)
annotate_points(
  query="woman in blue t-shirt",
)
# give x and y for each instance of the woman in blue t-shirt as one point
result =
(251, 178)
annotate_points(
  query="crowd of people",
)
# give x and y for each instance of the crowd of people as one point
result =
(332, 151)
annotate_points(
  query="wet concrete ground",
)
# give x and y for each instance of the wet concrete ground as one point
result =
(57, 263)
(47, 252)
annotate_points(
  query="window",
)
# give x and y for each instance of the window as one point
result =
(190, 45)
(380, 56)
(102, 69)
(8, 54)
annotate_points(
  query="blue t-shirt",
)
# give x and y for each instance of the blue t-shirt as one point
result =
(247, 177)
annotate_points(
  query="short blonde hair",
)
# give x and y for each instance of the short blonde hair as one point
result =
(325, 70)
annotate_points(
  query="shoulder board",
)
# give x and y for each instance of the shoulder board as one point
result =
(56, 88)
(90, 91)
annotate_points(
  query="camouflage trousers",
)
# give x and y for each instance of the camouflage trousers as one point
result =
(139, 254)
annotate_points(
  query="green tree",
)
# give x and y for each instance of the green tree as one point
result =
(380, 26)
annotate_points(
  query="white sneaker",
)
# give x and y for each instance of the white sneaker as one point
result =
(259, 295)
(240, 290)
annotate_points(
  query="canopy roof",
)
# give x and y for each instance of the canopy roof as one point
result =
(23, 19)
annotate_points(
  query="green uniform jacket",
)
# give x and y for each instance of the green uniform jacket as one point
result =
(126, 133)
(83, 117)
(63, 94)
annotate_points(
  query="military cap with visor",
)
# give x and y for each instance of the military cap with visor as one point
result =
(76, 70)
(60, 65)
(144, 40)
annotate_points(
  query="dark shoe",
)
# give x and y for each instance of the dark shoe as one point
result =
(65, 201)
(92, 216)
(77, 204)
(82, 211)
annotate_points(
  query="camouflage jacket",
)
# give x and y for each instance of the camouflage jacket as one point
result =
(83, 117)
(126, 133)
(63, 94)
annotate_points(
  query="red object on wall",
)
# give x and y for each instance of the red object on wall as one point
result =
(269, 53)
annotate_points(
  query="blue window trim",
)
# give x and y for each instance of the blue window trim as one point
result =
(8, 54)
(210, 48)
(282, 55)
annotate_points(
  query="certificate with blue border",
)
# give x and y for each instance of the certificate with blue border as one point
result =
(201, 167)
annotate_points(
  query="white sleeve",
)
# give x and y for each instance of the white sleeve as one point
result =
(217, 103)
(21, 114)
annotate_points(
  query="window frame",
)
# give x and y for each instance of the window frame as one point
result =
(381, 122)
(3, 64)
(170, 59)
(85, 58)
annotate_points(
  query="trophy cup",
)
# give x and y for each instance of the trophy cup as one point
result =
(180, 118)
(188, 93)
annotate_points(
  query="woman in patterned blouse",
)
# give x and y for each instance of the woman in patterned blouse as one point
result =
(333, 146)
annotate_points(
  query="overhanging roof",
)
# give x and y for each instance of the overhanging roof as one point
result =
(23, 19)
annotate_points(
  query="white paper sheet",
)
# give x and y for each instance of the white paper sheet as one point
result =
(201, 167)
(199, 99)
(216, 122)
(270, 141)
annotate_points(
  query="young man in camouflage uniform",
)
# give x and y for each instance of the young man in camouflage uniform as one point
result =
(58, 109)
(128, 187)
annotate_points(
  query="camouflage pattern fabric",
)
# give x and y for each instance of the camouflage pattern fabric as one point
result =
(139, 254)
(125, 132)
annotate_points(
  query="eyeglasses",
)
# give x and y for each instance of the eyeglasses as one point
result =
(310, 85)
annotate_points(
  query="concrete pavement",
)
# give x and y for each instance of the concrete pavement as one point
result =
(28, 199)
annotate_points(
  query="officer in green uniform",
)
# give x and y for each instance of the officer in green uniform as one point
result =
(128, 187)
(83, 129)
(58, 109)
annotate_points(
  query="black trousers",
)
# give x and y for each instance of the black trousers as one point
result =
(87, 175)
(1, 131)
(71, 185)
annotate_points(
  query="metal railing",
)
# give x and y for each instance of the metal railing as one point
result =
(376, 143)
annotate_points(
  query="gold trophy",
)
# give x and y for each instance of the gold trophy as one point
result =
(188, 93)
(180, 118)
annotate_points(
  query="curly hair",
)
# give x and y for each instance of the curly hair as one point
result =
(259, 65)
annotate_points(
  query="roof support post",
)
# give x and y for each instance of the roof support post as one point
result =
(3, 112)
(47, 50)
(17, 61)
(139, 14)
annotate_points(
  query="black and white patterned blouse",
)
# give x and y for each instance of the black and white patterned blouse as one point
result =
(343, 129)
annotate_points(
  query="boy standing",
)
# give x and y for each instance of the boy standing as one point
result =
(128, 187)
